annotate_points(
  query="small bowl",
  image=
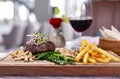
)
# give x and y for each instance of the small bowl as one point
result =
(110, 44)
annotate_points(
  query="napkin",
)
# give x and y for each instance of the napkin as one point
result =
(110, 33)
(71, 44)
(2, 54)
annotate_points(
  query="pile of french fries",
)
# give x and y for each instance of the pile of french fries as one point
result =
(90, 53)
(22, 55)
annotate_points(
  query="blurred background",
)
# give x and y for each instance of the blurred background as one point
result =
(19, 18)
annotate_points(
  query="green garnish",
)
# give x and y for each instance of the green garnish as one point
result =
(39, 38)
(55, 57)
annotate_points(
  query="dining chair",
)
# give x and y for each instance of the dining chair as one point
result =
(14, 38)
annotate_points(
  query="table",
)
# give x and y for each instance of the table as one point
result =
(57, 77)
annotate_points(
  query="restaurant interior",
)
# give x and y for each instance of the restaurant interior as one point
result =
(21, 18)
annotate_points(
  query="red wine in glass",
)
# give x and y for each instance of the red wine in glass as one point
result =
(81, 24)
(80, 19)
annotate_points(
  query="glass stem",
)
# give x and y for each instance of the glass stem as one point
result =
(77, 42)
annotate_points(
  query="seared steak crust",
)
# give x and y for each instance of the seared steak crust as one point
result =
(47, 46)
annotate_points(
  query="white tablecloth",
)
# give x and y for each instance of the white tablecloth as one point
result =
(70, 44)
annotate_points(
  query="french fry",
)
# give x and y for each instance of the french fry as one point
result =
(90, 51)
(101, 60)
(18, 58)
(91, 60)
(108, 54)
(108, 59)
(84, 43)
(98, 56)
(103, 56)
(92, 45)
(79, 56)
(82, 53)
(85, 59)
(94, 54)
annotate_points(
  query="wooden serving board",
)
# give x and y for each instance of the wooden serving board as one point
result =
(11, 67)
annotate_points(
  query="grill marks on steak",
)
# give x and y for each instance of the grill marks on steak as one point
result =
(47, 46)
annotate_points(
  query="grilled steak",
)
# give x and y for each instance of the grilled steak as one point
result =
(32, 47)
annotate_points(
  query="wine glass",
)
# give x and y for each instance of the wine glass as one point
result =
(80, 16)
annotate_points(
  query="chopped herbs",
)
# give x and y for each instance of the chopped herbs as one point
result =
(39, 38)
